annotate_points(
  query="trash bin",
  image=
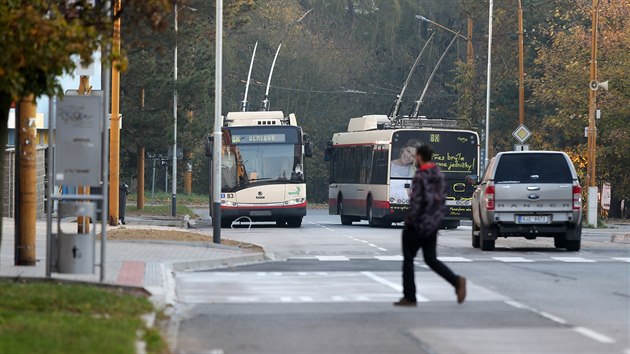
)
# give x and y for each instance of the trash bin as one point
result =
(123, 191)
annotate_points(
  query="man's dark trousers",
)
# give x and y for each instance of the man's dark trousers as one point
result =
(411, 243)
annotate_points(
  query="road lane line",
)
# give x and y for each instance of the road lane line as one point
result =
(513, 259)
(392, 285)
(454, 259)
(623, 259)
(573, 259)
(389, 258)
(332, 258)
(552, 317)
(286, 299)
(594, 335)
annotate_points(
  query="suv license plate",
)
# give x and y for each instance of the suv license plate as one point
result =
(532, 219)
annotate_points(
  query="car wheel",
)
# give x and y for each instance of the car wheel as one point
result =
(573, 245)
(475, 236)
(345, 220)
(559, 241)
(281, 223)
(484, 232)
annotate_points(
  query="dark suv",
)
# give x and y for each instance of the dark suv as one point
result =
(528, 194)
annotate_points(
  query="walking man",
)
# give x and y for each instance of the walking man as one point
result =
(428, 197)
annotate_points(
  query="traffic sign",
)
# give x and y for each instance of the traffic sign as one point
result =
(521, 133)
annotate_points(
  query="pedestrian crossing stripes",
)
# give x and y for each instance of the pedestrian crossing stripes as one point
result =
(315, 287)
(453, 259)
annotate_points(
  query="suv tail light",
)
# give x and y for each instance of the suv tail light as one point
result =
(577, 197)
(490, 197)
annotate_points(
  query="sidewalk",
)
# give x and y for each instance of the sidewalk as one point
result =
(147, 264)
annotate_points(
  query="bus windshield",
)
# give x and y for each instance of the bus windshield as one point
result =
(270, 157)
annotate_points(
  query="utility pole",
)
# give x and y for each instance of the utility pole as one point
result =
(488, 77)
(218, 122)
(83, 222)
(521, 68)
(470, 59)
(27, 186)
(140, 187)
(592, 129)
(114, 131)
(174, 179)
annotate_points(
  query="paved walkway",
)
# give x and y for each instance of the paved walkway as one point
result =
(146, 264)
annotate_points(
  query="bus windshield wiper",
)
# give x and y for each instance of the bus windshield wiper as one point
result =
(247, 181)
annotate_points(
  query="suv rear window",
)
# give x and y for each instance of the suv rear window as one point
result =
(533, 168)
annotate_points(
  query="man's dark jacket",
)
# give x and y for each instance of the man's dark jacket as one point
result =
(428, 196)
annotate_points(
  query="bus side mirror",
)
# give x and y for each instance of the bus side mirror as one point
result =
(472, 180)
(209, 144)
(308, 145)
(328, 151)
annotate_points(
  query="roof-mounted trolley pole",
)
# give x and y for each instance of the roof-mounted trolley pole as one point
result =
(394, 112)
(265, 102)
(249, 75)
(416, 107)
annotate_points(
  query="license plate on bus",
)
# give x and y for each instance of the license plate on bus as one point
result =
(260, 213)
(532, 219)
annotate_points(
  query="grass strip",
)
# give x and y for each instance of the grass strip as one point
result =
(52, 317)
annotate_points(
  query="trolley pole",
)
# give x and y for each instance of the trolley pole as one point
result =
(218, 122)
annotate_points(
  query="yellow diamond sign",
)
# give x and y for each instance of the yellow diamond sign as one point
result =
(522, 133)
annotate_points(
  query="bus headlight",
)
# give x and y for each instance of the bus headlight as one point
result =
(295, 201)
(228, 203)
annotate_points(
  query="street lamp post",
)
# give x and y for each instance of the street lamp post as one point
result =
(487, 132)
(592, 129)
(174, 177)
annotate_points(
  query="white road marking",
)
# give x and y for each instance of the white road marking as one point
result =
(573, 259)
(623, 259)
(332, 258)
(338, 298)
(286, 299)
(454, 259)
(392, 285)
(389, 258)
(553, 318)
(306, 298)
(594, 335)
(513, 259)
(381, 249)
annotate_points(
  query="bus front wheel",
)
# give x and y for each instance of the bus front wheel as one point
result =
(294, 222)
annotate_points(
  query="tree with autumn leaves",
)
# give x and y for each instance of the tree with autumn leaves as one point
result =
(561, 86)
(39, 37)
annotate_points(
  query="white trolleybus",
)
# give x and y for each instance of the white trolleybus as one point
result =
(372, 166)
(262, 173)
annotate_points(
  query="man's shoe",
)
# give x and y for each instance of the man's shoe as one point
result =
(406, 302)
(460, 290)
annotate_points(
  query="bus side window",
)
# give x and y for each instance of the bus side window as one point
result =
(379, 167)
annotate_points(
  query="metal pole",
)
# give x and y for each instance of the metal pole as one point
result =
(487, 132)
(153, 181)
(174, 179)
(521, 68)
(105, 86)
(50, 185)
(218, 122)
(592, 129)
